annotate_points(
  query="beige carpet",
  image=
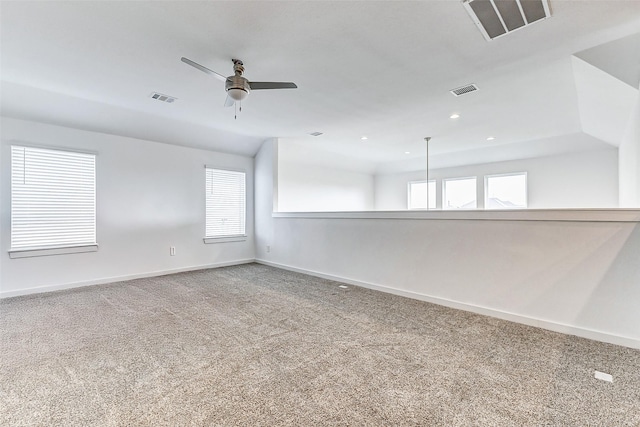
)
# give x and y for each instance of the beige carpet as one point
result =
(256, 346)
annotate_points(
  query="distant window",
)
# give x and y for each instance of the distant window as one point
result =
(508, 191)
(459, 193)
(225, 203)
(53, 199)
(418, 195)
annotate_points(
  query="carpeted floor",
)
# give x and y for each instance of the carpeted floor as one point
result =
(253, 345)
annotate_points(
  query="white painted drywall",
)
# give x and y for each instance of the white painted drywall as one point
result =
(580, 276)
(265, 194)
(306, 184)
(604, 102)
(150, 196)
(586, 179)
(629, 158)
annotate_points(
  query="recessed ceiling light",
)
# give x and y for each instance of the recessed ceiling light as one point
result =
(364, 138)
(407, 152)
(491, 138)
(454, 116)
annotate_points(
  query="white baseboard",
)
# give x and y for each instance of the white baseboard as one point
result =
(513, 317)
(102, 281)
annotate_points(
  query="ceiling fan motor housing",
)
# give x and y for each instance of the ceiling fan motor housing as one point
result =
(235, 83)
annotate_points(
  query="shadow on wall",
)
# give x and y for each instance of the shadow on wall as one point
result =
(614, 301)
(576, 282)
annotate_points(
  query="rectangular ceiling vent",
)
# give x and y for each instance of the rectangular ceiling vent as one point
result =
(495, 18)
(464, 90)
(163, 98)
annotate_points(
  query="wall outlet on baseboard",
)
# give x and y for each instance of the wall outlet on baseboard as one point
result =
(172, 250)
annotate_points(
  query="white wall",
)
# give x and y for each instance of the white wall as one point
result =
(307, 183)
(586, 179)
(582, 277)
(629, 157)
(265, 194)
(311, 188)
(150, 196)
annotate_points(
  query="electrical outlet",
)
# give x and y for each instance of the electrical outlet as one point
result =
(268, 248)
(172, 250)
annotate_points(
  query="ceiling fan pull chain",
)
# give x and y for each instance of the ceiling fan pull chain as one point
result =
(235, 113)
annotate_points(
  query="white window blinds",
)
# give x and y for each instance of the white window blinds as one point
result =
(225, 203)
(53, 198)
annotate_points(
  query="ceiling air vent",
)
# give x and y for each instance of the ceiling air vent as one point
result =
(163, 98)
(496, 18)
(464, 89)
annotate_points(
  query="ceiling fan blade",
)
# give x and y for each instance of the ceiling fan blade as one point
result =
(229, 101)
(203, 68)
(272, 85)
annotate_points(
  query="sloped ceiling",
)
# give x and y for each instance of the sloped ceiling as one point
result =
(380, 69)
(605, 103)
(619, 58)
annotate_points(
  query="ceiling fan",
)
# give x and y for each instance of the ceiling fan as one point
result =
(237, 86)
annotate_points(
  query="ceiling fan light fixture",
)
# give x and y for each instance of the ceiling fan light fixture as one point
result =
(237, 94)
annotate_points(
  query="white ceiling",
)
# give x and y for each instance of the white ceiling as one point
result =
(380, 69)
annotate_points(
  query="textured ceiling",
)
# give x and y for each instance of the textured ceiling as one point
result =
(380, 69)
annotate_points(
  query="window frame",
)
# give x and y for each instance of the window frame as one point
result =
(435, 202)
(498, 175)
(227, 238)
(38, 251)
(444, 192)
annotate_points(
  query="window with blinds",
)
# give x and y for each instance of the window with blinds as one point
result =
(53, 198)
(225, 203)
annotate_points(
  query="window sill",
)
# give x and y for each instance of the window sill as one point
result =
(36, 252)
(208, 240)
(571, 215)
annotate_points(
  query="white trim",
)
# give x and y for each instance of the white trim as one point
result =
(35, 252)
(66, 217)
(570, 215)
(435, 186)
(214, 224)
(225, 168)
(501, 175)
(459, 178)
(486, 311)
(208, 240)
(20, 143)
(50, 288)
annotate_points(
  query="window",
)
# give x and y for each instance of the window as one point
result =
(508, 191)
(418, 195)
(53, 200)
(459, 193)
(225, 205)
